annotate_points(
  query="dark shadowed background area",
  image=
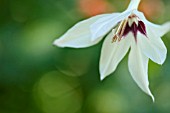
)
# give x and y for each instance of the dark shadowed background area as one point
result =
(37, 77)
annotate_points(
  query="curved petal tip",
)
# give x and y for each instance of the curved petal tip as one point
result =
(102, 77)
(58, 43)
(153, 99)
(151, 95)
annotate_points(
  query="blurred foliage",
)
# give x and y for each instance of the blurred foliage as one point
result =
(37, 77)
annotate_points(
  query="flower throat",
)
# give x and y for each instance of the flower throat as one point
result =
(131, 24)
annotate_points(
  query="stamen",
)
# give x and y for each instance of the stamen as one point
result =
(123, 29)
(120, 27)
(120, 30)
(114, 38)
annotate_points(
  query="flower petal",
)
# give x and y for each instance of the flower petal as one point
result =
(159, 30)
(152, 47)
(79, 36)
(138, 67)
(112, 54)
(133, 4)
(103, 25)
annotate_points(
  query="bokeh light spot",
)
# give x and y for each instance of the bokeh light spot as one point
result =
(105, 101)
(56, 93)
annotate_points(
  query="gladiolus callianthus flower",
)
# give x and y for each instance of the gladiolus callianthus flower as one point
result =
(129, 29)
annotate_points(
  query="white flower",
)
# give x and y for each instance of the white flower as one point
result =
(125, 30)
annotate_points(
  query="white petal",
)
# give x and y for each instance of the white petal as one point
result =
(103, 25)
(138, 67)
(159, 30)
(112, 54)
(152, 47)
(79, 35)
(133, 4)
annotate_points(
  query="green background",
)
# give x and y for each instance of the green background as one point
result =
(37, 77)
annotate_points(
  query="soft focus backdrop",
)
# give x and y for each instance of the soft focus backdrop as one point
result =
(37, 77)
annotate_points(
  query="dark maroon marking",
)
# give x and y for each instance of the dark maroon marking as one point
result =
(134, 29)
(142, 28)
